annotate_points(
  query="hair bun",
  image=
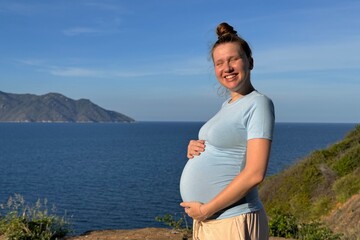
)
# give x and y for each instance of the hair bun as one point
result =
(224, 29)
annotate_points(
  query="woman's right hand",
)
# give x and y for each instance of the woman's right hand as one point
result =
(195, 148)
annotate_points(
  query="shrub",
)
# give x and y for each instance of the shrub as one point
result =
(316, 231)
(22, 222)
(175, 223)
(179, 224)
(283, 225)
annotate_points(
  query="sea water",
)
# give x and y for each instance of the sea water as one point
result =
(121, 176)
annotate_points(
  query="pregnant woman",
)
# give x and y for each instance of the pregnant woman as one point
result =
(219, 182)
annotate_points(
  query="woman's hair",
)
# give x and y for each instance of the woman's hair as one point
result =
(227, 34)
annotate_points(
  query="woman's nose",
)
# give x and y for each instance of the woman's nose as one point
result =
(228, 67)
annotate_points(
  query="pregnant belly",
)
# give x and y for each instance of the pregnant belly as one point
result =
(204, 176)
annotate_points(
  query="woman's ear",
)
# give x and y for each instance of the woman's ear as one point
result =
(251, 63)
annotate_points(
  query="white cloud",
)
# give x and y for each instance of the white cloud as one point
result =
(104, 6)
(189, 66)
(31, 62)
(80, 30)
(313, 57)
(75, 72)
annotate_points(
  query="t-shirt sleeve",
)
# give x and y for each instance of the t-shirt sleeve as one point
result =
(260, 123)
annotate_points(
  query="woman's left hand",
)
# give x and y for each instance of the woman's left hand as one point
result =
(194, 210)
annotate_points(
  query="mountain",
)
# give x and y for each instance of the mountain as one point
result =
(53, 107)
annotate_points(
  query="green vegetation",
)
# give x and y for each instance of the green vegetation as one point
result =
(299, 197)
(316, 231)
(287, 226)
(283, 225)
(178, 224)
(22, 222)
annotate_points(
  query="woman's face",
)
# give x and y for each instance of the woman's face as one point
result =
(232, 67)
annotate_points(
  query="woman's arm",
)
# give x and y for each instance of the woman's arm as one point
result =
(257, 157)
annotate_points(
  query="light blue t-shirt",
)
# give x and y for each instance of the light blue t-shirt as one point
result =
(226, 135)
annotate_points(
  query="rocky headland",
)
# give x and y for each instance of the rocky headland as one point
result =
(53, 107)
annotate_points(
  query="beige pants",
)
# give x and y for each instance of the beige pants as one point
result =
(250, 226)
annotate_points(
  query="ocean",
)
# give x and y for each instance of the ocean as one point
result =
(121, 176)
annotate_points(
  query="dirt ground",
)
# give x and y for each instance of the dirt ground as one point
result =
(136, 234)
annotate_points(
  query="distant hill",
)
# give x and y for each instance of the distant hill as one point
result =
(53, 107)
(325, 186)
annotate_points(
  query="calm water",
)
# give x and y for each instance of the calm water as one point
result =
(118, 176)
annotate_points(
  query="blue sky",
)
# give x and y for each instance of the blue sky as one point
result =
(149, 59)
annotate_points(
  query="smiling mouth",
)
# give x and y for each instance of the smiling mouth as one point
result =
(229, 77)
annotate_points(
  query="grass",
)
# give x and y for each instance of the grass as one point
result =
(24, 222)
(312, 188)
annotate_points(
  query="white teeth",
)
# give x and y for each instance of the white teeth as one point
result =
(229, 76)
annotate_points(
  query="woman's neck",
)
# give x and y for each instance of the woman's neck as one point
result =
(240, 93)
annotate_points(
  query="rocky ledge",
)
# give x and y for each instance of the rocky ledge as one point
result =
(139, 234)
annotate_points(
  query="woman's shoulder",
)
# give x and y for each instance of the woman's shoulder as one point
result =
(257, 94)
(256, 97)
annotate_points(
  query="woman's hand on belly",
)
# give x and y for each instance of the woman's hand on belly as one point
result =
(195, 148)
(195, 210)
